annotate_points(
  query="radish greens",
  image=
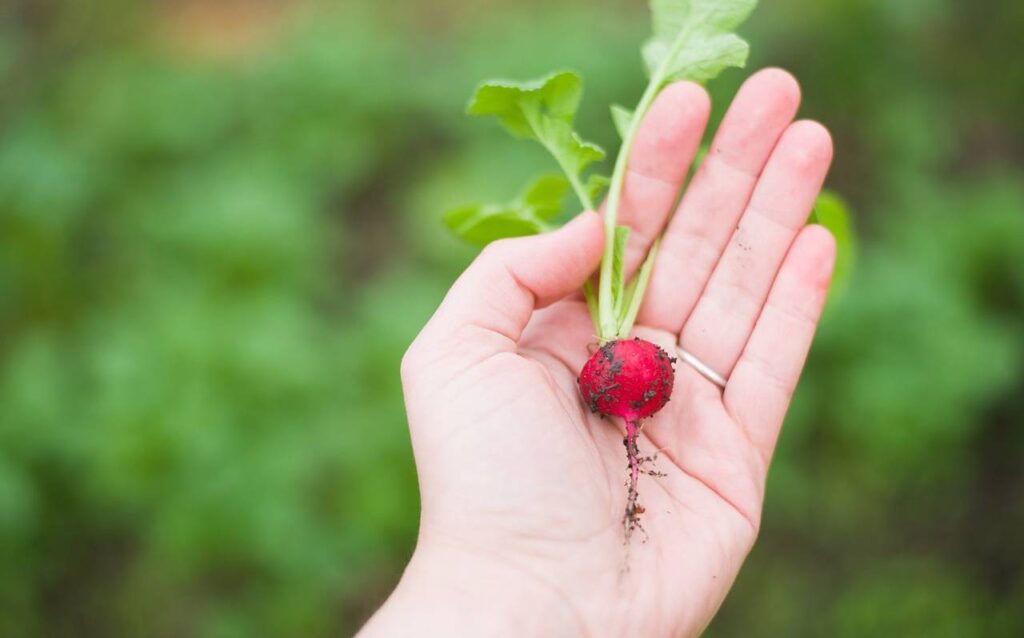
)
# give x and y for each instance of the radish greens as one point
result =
(691, 40)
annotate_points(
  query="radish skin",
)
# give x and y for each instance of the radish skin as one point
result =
(632, 380)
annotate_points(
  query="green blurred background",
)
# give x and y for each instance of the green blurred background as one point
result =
(220, 226)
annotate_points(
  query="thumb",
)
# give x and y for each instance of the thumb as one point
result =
(491, 303)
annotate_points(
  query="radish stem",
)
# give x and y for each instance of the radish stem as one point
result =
(610, 327)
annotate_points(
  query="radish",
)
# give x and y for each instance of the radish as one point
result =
(631, 379)
(626, 378)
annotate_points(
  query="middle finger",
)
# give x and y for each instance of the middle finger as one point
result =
(717, 195)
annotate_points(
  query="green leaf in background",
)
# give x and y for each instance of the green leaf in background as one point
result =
(832, 212)
(622, 118)
(543, 110)
(702, 152)
(693, 39)
(527, 214)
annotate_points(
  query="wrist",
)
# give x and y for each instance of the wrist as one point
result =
(449, 591)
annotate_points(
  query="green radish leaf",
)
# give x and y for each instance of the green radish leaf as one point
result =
(627, 299)
(556, 96)
(482, 224)
(618, 267)
(635, 291)
(545, 195)
(622, 118)
(541, 110)
(832, 212)
(693, 39)
(527, 214)
(591, 298)
(595, 186)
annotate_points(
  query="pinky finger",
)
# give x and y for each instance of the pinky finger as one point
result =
(762, 384)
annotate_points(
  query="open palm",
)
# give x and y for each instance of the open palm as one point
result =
(522, 488)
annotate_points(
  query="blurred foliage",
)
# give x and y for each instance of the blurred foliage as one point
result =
(220, 225)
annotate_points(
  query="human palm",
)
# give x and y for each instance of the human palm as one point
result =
(523, 490)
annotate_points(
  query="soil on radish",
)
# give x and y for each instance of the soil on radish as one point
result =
(632, 380)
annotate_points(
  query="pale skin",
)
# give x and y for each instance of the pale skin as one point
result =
(522, 488)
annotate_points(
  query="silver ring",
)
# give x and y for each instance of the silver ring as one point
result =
(701, 367)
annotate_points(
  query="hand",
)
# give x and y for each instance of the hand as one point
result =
(522, 489)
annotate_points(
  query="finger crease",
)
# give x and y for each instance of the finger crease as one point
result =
(715, 155)
(670, 184)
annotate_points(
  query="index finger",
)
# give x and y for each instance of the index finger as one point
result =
(660, 158)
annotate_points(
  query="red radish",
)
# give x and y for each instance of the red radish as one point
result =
(631, 379)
